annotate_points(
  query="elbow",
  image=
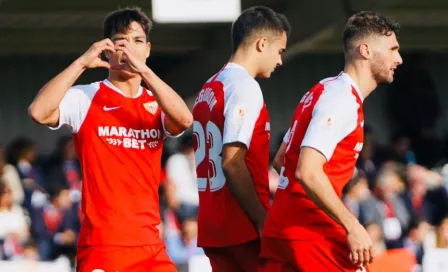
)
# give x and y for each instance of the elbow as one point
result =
(35, 113)
(303, 175)
(229, 167)
(277, 164)
(187, 121)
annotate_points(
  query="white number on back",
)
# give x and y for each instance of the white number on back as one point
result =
(209, 136)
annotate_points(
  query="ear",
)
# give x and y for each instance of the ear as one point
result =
(148, 49)
(365, 50)
(262, 43)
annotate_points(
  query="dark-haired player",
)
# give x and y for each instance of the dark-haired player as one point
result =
(308, 227)
(118, 129)
(231, 130)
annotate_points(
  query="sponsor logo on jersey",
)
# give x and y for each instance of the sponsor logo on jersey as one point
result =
(131, 138)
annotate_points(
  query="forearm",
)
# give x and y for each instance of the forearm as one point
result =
(171, 103)
(50, 96)
(319, 189)
(242, 188)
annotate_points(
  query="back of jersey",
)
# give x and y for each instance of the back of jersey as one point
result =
(221, 116)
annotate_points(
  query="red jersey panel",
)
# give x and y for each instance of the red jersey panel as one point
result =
(330, 119)
(119, 142)
(229, 108)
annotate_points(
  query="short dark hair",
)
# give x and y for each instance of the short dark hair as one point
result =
(367, 23)
(257, 19)
(120, 21)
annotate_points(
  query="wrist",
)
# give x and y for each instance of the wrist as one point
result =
(349, 223)
(147, 73)
(80, 64)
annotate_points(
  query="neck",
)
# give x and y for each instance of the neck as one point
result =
(129, 87)
(245, 59)
(362, 75)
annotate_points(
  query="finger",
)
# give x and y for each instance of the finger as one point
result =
(124, 49)
(360, 257)
(104, 64)
(122, 42)
(355, 257)
(107, 41)
(366, 257)
(371, 255)
(109, 48)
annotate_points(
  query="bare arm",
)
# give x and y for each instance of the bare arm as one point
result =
(241, 183)
(278, 160)
(177, 115)
(45, 107)
(318, 187)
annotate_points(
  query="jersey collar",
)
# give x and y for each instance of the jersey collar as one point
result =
(348, 78)
(111, 86)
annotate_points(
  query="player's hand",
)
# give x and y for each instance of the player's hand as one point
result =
(92, 57)
(129, 61)
(360, 245)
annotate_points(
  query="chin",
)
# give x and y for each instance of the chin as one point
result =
(264, 75)
(126, 74)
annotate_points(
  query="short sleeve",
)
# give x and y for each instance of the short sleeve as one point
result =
(241, 111)
(335, 115)
(167, 133)
(75, 105)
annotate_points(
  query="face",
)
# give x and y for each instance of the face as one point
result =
(385, 57)
(140, 48)
(63, 199)
(271, 54)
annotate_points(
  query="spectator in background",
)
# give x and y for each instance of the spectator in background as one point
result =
(54, 224)
(9, 175)
(64, 159)
(14, 229)
(22, 154)
(418, 231)
(181, 183)
(415, 195)
(355, 192)
(390, 211)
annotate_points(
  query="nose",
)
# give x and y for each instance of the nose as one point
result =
(280, 61)
(400, 59)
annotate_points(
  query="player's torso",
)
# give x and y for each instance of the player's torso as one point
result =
(221, 220)
(291, 206)
(119, 145)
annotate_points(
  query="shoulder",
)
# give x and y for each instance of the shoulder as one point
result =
(337, 94)
(87, 90)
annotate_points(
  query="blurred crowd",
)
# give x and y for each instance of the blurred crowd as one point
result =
(399, 191)
(40, 202)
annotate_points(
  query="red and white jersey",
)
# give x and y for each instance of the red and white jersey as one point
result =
(119, 142)
(229, 108)
(330, 119)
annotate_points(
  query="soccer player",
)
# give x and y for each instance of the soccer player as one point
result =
(118, 129)
(231, 132)
(308, 227)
